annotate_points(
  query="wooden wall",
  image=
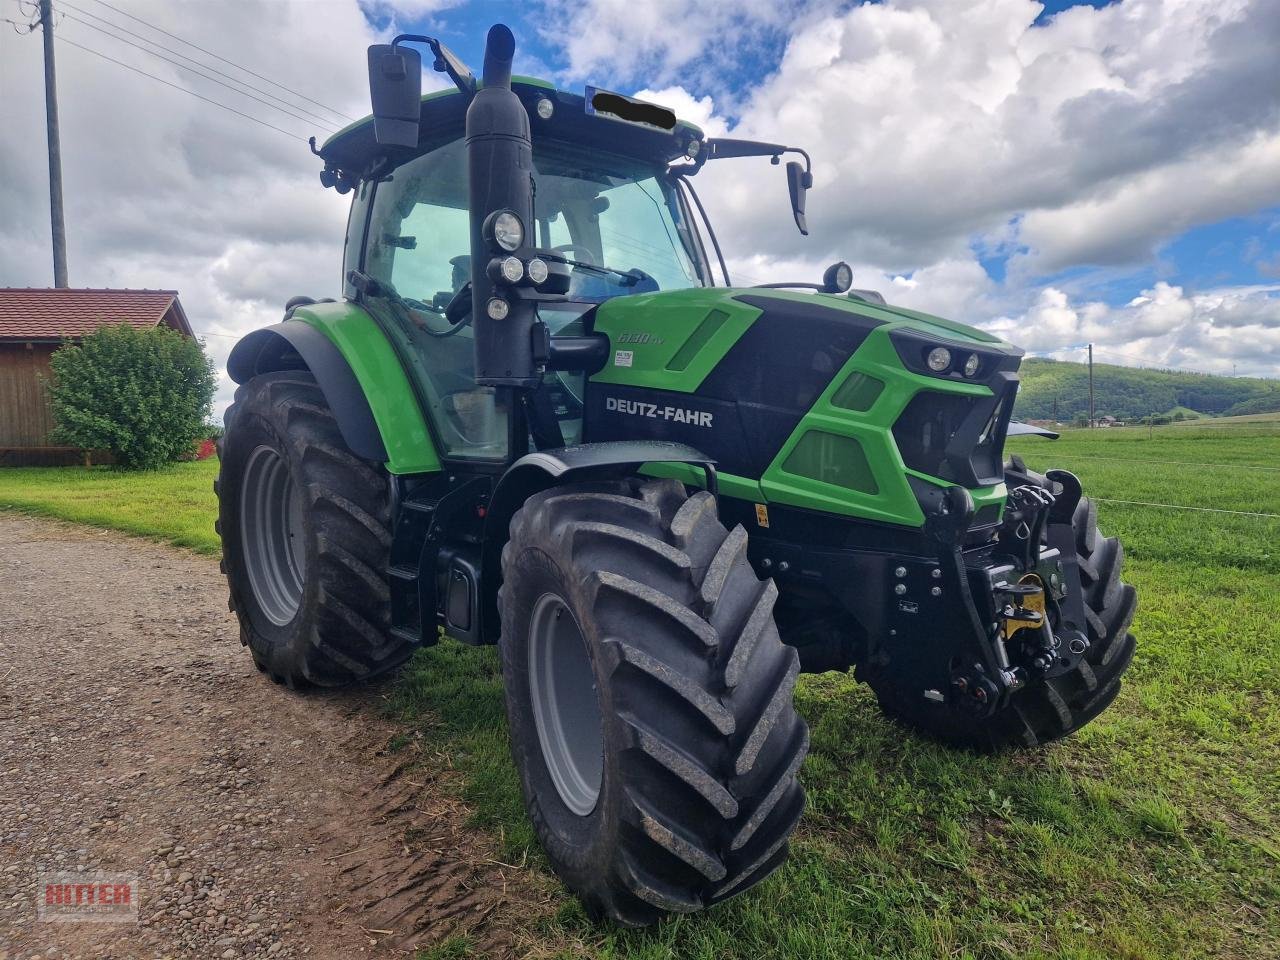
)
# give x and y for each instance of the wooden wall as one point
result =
(25, 417)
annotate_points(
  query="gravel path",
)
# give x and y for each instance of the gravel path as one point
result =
(136, 737)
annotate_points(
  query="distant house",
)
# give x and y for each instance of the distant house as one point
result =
(35, 322)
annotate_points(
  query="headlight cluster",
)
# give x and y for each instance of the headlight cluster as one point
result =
(505, 232)
(942, 360)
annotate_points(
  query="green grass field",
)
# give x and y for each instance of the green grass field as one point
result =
(1154, 833)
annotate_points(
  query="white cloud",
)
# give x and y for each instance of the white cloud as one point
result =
(1227, 330)
(656, 38)
(163, 190)
(1128, 222)
(931, 122)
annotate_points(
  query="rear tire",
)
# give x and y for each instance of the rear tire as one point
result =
(666, 780)
(305, 527)
(1044, 710)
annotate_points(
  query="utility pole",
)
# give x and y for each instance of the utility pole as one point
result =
(1091, 386)
(55, 149)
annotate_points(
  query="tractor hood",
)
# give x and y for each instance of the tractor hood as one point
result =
(744, 374)
(675, 338)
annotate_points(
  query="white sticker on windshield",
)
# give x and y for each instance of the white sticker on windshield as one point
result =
(623, 358)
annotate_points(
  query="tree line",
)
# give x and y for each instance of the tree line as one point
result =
(1059, 390)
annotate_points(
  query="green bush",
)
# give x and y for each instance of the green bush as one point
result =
(145, 395)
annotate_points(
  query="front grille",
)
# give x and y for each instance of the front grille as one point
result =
(955, 438)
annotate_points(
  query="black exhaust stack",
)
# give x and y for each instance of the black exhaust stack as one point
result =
(500, 168)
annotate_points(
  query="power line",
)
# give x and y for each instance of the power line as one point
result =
(121, 63)
(289, 109)
(1180, 463)
(192, 69)
(1178, 506)
(232, 63)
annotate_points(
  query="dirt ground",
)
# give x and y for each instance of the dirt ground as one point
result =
(137, 737)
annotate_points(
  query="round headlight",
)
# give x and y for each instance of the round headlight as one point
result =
(512, 269)
(939, 359)
(497, 308)
(508, 231)
(545, 108)
(691, 150)
(538, 271)
(971, 365)
(844, 276)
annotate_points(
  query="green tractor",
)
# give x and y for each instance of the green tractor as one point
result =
(541, 417)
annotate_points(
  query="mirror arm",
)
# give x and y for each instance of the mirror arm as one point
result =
(729, 149)
(446, 61)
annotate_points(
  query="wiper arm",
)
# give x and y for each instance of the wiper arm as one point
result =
(629, 277)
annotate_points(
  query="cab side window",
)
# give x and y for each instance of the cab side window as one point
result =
(419, 243)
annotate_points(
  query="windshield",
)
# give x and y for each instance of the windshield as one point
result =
(614, 213)
(618, 223)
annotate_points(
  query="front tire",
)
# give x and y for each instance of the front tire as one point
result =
(305, 527)
(649, 698)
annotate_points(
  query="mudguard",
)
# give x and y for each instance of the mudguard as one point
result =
(358, 370)
(546, 468)
(272, 348)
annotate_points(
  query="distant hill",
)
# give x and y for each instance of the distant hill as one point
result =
(1129, 393)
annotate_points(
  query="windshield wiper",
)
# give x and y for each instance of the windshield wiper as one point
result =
(629, 277)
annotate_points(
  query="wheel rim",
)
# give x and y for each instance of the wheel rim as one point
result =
(271, 535)
(566, 709)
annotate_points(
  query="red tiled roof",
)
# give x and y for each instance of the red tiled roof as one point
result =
(51, 314)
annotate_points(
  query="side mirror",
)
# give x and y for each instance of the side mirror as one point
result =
(395, 87)
(799, 181)
(837, 278)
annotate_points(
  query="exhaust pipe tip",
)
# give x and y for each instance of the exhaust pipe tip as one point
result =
(499, 50)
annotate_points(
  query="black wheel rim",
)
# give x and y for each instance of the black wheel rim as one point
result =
(566, 707)
(271, 535)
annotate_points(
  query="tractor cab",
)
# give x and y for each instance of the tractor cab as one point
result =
(611, 218)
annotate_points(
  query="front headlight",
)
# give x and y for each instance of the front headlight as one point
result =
(512, 269)
(939, 359)
(507, 230)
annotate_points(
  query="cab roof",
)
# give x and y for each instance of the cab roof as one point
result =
(353, 149)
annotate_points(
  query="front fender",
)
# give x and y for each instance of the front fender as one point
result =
(539, 471)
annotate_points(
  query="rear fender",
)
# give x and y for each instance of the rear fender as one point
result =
(359, 373)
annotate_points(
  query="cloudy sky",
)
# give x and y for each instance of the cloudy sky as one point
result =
(1059, 173)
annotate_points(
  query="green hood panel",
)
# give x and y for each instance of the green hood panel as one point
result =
(673, 339)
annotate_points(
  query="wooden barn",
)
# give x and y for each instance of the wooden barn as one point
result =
(36, 321)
